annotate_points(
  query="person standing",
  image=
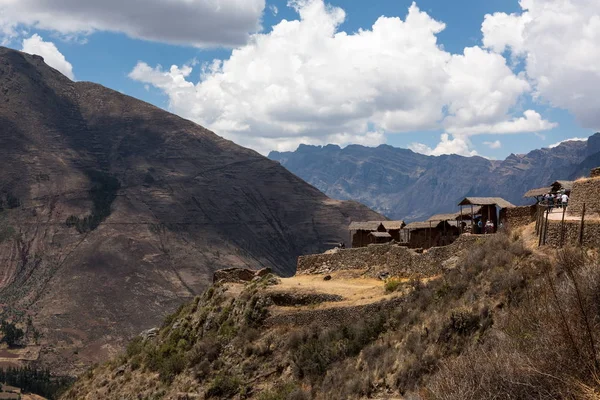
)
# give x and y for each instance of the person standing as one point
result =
(564, 200)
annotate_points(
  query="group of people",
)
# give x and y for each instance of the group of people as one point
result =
(482, 227)
(487, 227)
(559, 200)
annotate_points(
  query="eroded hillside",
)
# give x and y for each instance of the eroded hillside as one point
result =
(498, 319)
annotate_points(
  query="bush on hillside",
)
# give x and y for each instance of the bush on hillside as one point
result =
(11, 335)
(547, 348)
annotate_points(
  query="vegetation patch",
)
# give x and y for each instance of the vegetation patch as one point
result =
(223, 386)
(9, 201)
(393, 284)
(103, 192)
(11, 334)
(38, 381)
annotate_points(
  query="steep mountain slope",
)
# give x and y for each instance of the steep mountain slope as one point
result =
(592, 159)
(404, 184)
(112, 211)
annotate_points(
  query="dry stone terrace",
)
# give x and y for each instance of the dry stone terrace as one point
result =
(579, 222)
(388, 258)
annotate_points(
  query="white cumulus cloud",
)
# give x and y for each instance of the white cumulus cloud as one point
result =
(496, 144)
(448, 145)
(531, 121)
(559, 42)
(52, 56)
(308, 82)
(191, 22)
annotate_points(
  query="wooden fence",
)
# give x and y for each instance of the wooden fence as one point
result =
(541, 225)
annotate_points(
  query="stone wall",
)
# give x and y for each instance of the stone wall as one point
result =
(238, 275)
(396, 260)
(335, 316)
(591, 233)
(585, 191)
(519, 216)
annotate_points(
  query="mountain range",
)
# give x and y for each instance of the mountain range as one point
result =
(402, 184)
(113, 212)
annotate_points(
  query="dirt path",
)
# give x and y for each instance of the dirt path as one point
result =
(557, 213)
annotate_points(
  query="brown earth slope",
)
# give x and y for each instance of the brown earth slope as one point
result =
(113, 211)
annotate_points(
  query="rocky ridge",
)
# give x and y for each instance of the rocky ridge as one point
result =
(406, 185)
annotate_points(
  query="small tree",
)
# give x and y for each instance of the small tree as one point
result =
(12, 334)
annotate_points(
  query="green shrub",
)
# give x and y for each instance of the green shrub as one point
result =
(223, 386)
(392, 284)
(315, 352)
(279, 392)
(11, 334)
(135, 347)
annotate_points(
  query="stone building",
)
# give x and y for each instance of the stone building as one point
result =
(429, 234)
(359, 232)
(394, 228)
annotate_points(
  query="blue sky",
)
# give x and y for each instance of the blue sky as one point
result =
(108, 55)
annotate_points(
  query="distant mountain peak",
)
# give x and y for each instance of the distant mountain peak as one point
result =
(412, 186)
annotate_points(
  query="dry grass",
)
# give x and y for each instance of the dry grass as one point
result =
(505, 323)
(544, 348)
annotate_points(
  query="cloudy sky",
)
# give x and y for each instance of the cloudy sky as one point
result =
(470, 77)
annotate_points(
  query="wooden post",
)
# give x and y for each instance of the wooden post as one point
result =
(538, 208)
(429, 234)
(562, 228)
(546, 225)
(541, 231)
(581, 227)
(460, 230)
(472, 220)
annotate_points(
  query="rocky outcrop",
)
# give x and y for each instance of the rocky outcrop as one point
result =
(238, 275)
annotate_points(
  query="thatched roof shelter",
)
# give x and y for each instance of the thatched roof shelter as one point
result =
(391, 225)
(537, 192)
(454, 216)
(420, 225)
(443, 217)
(380, 234)
(567, 185)
(486, 201)
(365, 226)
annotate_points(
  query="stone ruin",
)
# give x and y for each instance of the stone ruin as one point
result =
(238, 275)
